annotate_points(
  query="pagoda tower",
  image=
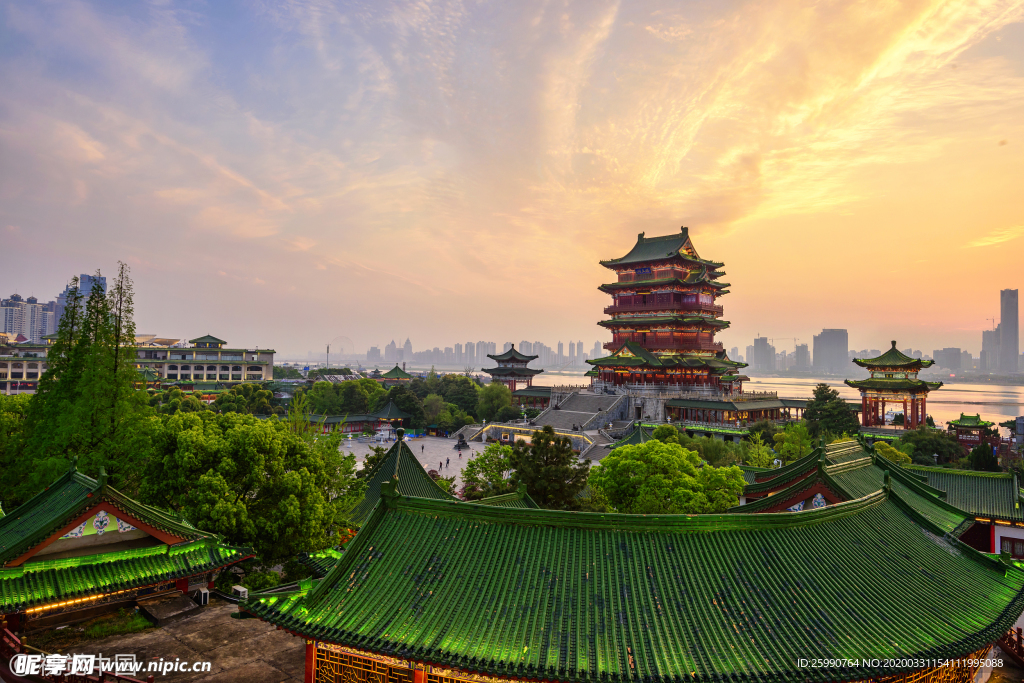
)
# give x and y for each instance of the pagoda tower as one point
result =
(512, 368)
(893, 380)
(664, 318)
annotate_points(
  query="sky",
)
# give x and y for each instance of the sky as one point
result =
(281, 174)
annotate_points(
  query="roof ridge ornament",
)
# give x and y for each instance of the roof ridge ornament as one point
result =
(102, 479)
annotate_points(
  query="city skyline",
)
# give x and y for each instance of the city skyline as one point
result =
(424, 154)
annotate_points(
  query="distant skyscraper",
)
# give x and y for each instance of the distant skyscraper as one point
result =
(596, 353)
(802, 357)
(470, 353)
(579, 353)
(949, 358)
(373, 355)
(734, 353)
(506, 347)
(407, 350)
(990, 350)
(561, 355)
(572, 353)
(749, 358)
(1009, 331)
(831, 351)
(764, 355)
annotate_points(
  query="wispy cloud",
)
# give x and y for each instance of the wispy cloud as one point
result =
(999, 236)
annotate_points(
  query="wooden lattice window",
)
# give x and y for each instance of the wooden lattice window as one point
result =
(340, 667)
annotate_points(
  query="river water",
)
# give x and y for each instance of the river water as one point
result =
(994, 403)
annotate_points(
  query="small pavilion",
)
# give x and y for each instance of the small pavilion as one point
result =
(893, 380)
(971, 431)
(512, 368)
(395, 375)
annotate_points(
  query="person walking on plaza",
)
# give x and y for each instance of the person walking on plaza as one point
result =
(447, 462)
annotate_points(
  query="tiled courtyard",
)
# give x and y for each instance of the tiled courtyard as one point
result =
(431, 451)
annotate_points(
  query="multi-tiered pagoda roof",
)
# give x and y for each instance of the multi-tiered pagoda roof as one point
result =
(512, 368)
(664, 317)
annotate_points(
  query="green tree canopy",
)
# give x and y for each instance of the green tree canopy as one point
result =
(433, 404)
(87, 404)
(493, 398)
(406, 401)
(509, 414)
(666, 434)
(828, 413)
(488, 473)
(550, 469)
(665, 478)
(251, 399)
(982, 459)
(757, 453)
(462, 391)
(892, 454)
(927, 442)
(255, 481)
(793, 443)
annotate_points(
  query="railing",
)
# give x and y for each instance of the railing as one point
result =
(670, 306)
(654, 342)
(11, 645)
(1012, 644)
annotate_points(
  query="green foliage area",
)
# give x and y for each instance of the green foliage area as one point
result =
(927, 442)
(118, 623)
(406, 401)
(247, 398)
(261, 580)
(767, 429)
(175, 400)
(532, 413)
(665, 478)
(87, 404)
(352, 397)
(281, 372)
(667, 434)
(550, 469)
(893, 454)
(981, 459)
(257, 482)
(715, 452)
(828, 413)
(508, 414)
(488, 473)
(492, 399)
(793, 443)
(758, 454)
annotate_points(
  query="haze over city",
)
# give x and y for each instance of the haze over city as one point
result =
(283, 175)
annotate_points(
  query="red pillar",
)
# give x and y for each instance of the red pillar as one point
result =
(924, 409)
(864, 410)
(992, 542)
(182, 585)
(309, 675)
(906, 413)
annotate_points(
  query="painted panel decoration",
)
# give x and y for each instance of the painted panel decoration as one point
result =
(98, 524)
(818, 501)
(796, 508)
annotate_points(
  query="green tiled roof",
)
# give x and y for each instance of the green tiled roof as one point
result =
(391, 412)
(536, 392)
(970, 421)
(876, 383)
(893, 358)
(983, 494)
(512, 372)
(511, 355)
(516, 499)
(206, 339)
(564, 596)
(68, 498)
(749, 473)
(321, 562)
(654, 249)
(46, 581)
(711, 404)
(640, 434)
(413, 480)
(396, 373)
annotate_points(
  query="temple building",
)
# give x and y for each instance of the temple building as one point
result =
(664, 318)
(981, 509)
(971, 431)
(394, 377)
(81, 547)
(512, 369)
(893, 380)
(441, 591)
(532, 397)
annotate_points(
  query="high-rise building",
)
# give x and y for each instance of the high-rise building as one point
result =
(749, 357)
(764, 355)
(802, 357)
(831, 351)
(572, 353)
(407, 350)
(948, 358)
(561, 354)
(990, 350)
(734, 353)
(26, 317)
(508, 345)
(373, 355)
(1009, 331)
(579, 353)
(458, 353)
(470, 354)
(526, 348)
(596, 351)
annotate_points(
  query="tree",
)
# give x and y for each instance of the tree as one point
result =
(255, 481)
(13, 410)
(757, 453)
(377, 453)
(246, 398)
(488, 473)
(665, 478)
(493, 398)
(87, 404)
(982, 459)
(550, 469)
(407, 402)
(281, 372)
(715, 452)
(462, 391)
(889, 453)
(793, 443)
(432, 407)
(828, 413)
(927, 442)
(325, 399)
(508, 414)
(766, 428)
(666, 434)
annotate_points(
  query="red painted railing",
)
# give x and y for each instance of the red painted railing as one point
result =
(671, 306)
(1013, 645)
